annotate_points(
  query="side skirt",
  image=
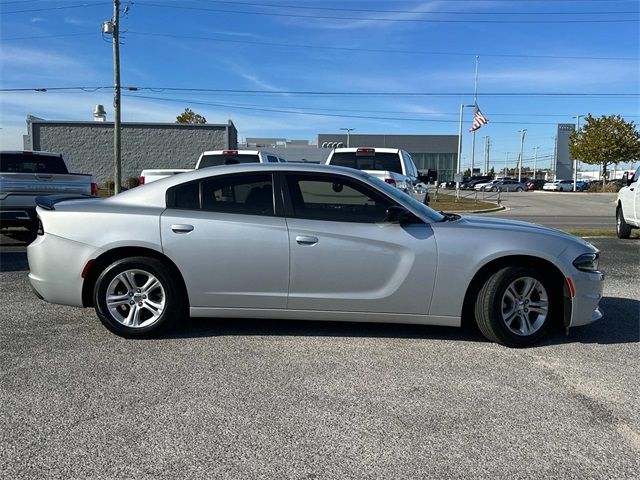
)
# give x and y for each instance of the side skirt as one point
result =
(326, 315)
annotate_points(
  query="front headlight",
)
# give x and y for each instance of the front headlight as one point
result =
(587, 262)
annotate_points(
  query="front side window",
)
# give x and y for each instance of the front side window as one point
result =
(249, 194)
(335, 198)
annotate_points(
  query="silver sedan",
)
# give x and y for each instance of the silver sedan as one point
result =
(305, 242)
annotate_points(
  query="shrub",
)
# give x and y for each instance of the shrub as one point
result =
(607, 188)
(133, 182)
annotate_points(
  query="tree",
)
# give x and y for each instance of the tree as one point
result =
(189, 116)
(466, 173)
(492, 173)
(605, 140)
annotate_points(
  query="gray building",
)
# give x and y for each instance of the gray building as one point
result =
(88, 146)
(564, 163)
(435, 152)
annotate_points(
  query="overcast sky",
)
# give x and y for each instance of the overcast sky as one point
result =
(345, 46)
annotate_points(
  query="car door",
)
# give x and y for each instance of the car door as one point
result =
(345, 257)
(224, 236)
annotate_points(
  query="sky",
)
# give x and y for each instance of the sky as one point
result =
(397, 57)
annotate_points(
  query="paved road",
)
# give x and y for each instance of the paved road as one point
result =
(566, 210)
(277, 399)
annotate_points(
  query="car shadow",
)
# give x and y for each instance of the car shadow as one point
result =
(13, 261)
(621, 324)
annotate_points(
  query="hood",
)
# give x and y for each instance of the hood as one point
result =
(520, 226)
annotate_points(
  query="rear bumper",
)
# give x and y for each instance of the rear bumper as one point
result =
(55, 268)
(585, 304)
(17, 217)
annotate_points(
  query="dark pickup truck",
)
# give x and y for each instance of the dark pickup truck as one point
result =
(27, 175)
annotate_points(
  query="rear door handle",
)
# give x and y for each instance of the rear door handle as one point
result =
(181, 228)
(306, 240)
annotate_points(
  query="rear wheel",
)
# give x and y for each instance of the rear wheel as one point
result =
(519, 189)
(516, 306)
(623, 229)
(137, 297)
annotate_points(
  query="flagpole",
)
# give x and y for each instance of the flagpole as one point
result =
(475, 101)
(459, 151)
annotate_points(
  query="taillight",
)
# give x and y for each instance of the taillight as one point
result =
(390, 181)
(94, 189)
(40, 230)
(230, 152)
(141, 180)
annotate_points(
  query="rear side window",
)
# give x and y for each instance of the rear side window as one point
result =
(272, 159)
(230, 159)
(249, 194)
(31, 163)
(368, 161)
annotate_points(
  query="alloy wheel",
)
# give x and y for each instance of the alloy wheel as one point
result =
(135, 298)
(524, 306)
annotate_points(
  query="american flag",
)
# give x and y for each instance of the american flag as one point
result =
(478, 120)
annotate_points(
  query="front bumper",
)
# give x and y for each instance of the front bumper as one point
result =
(588, 293)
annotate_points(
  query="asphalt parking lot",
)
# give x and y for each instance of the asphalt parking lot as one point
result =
(279, 399)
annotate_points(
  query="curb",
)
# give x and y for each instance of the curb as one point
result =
(486, 210)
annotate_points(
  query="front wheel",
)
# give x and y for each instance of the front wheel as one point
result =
(137, 297)
(623, 229)
(516, 306)
(519, 189)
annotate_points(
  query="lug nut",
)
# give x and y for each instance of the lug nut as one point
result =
(131, 302)
(140, 304)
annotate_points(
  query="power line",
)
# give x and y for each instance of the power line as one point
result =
(334, 93)
(374, 50)
(402, 20)
(414, 12)
(64, 7)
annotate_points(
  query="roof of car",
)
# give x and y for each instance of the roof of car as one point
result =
(376, 149)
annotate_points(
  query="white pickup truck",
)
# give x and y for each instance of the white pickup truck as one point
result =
(27, 175)
(393, 165)
(628, 206)
(213, 158)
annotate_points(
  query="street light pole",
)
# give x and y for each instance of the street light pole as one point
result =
(349, 130)
(535, 160)
(575, 161)
(523, 132)
(459, 167)
(475, 101)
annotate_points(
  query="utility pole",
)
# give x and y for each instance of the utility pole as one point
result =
(535, 160)
(555, 157)
(349, 130)
(116, 97)
(523, 132)
(575, 162)
(506, 164)
(485, 158)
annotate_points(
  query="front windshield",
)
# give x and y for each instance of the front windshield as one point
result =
(399, 195)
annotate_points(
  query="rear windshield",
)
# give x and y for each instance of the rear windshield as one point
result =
(221, 159)
(368, 161)
(31, 163)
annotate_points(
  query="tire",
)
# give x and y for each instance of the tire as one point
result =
(519, 189)
(137, 312)
(494, 189)
(506, 315)
(623, 229)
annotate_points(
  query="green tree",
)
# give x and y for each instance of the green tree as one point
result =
(605, 140)
(492, 173)
(189, 116)
(467, 172)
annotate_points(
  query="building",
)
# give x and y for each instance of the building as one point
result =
(88, 146)
(435, 152)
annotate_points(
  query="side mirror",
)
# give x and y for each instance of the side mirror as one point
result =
(397, 214)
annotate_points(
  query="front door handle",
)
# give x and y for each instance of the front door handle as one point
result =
(181, 228)
(306, 240)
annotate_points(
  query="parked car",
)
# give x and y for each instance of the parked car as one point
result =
(628, 205)
(535, 184)
(391, 165)
(581, 186)
(559, 186)
(307, 242)
(151, 175)
(504, 186)
(473, 181)
(27, 175)
(213, 158)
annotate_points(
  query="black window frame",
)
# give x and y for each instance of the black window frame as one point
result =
(276, 186)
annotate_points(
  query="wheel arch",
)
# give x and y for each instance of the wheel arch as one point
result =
(489, 268)
(110, 256)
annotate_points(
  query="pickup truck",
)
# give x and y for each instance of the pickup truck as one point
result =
(213, 158)
(27, 175)
(392, 165)
(628, 205)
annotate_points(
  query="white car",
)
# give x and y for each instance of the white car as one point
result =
(559, 186)
(628, 206)
(215, 158)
